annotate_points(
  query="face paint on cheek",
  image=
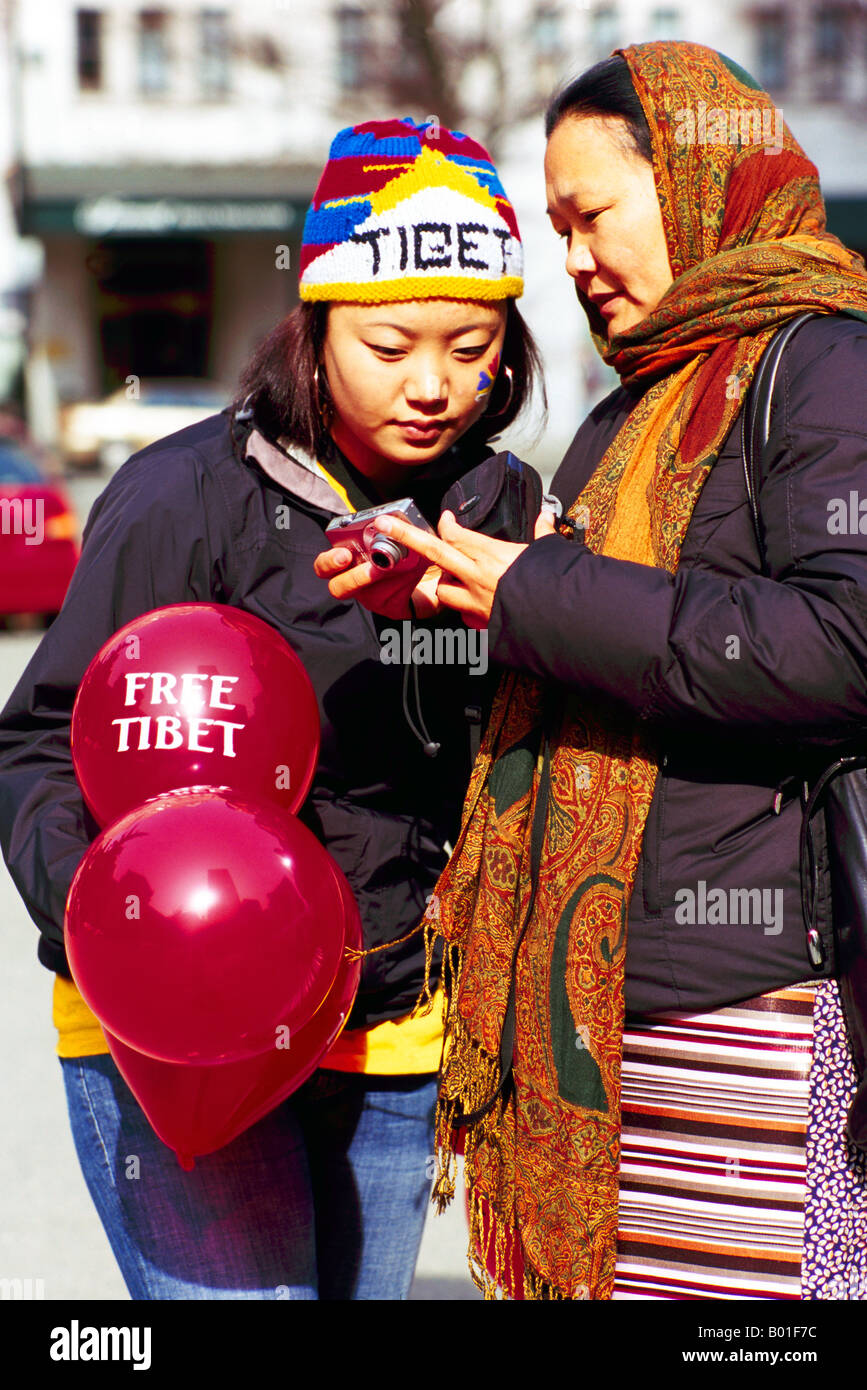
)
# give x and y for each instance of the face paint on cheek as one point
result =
(487, 377)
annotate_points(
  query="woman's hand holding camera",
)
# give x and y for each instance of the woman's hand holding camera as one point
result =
(465, 569)
(381, 591)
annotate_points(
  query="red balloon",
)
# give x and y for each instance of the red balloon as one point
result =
(196, 1109)
(201, 924)
(194, 694)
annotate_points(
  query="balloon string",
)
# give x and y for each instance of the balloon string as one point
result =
(351, 954)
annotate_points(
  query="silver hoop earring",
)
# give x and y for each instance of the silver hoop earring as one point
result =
(246, 410)
(507, 371)
(322, 408)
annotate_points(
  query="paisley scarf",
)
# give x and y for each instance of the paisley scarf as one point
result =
(534, 924)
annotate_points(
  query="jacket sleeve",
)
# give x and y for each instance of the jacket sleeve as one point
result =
(145, 544)
(786, 653)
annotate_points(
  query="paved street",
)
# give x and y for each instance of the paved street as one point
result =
(49, 1229)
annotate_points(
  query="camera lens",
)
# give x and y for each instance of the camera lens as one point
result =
(385, 553)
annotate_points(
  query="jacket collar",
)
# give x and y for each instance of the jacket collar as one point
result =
(299, 473)
(340, 491)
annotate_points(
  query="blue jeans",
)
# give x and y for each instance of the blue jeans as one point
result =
(323, 1198)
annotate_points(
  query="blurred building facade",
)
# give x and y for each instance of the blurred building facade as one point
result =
(163, 157)
(166, 159)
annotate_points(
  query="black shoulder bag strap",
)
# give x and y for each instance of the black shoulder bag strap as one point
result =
(842, 798)
(756, 419)
(755, 432)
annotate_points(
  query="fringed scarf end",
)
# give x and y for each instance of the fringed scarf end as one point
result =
(425, 1002)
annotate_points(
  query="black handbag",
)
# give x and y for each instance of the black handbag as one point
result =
(501, 497)
(839, 794)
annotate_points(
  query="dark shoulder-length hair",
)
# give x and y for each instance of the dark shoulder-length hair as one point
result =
(603, 90)
(279, 384)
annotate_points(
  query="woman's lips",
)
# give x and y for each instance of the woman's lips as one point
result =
(610, 304)
(421, 431)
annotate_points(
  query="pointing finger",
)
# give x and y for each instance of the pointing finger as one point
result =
(439, 552)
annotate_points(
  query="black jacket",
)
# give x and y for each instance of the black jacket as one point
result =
(744, 681)
(198, 517)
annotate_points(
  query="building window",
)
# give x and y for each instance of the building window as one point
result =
(547, 38)
(89, 49)
(771, 51)
(665, 24)
(153, 52)
(351, 48)
(831, 35)
(831, 40)
(214, 53)
(413, 81)
(603, 32)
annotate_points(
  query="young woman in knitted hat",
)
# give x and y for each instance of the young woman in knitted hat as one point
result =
(405, 357)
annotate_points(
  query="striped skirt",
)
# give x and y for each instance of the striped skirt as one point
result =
(736, 1180)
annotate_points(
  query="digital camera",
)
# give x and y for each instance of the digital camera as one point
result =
(359, 532)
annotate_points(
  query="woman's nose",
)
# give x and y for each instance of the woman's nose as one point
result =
(426, 387)
(579, 261)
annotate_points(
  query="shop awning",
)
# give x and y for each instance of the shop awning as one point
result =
(164, 202)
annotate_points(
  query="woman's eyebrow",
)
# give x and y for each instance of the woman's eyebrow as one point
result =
(384, 323)
(474, 328)
(453, 333)
(568, 195)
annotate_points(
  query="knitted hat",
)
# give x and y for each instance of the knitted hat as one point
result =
(406, 211)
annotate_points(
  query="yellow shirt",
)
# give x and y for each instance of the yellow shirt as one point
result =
(404, 1046)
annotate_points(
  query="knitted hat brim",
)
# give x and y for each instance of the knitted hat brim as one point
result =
(417, 287)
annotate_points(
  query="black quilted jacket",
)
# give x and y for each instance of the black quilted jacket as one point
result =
(195, 517)
(746, 681)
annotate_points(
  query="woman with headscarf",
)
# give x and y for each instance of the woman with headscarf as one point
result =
(629, 849)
